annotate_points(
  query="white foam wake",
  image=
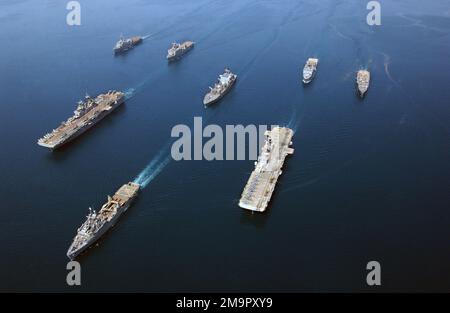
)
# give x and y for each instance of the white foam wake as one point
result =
(153, 169)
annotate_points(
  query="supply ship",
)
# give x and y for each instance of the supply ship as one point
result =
(362, 82)
(88, 113)
(97, 224)
(309, 70)
(178, 50)
(261, 184)
(221, 88)
(125, 44)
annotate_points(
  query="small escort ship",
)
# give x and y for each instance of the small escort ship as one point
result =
(178, 50)
(309, 71)
(98, 224)
(88, 113)
(125, 44)
(221, 88)
(362, 82)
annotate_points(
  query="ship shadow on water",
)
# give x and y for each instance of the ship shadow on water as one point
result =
(308, 85)
(62, 153)
(174, 62)
(255, 219)
(359, 98)
(123, 55)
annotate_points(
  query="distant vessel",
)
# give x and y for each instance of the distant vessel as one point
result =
(97, 224)
(362, 82)
(309, 71)
(88, 113)
(261, 184)
(220, 89)
(177, 50)
(124, 45)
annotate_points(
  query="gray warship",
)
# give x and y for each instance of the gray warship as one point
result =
(261, 184)
(88, 113)
(362, 82)
(309, 70)
(125, 44)
(98, 224)
(178, 50)
(220, 89)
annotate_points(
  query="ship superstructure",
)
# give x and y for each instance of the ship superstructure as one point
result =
(309, 70)
(177, 50)
(362, 82)
(125, 44)
(261, 184)
(222, 86)
(97, 223)
(87, 114)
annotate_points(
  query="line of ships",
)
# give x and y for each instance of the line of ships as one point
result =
(260, 185)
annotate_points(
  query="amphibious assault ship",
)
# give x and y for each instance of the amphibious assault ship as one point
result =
(362, 82)
(88, 113)
(125, 44)
(261, 184)
(178, 50)
(309, 71)
(97, 224)
(220, 89)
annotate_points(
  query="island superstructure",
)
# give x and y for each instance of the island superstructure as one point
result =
(97, 224)
(178, 50)
(309, 70)
(362, 82)
(261, 184)
(125, 44)
(220, 89)
(87, 114)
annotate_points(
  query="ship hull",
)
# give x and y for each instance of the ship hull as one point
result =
(120, 51)
(308, 80)
(134, 42)
(83, 129)
(362, 94)
(107, 226)
(178, 56)
(309, 70)
(361, 91)
(219, 97)
(362, 82)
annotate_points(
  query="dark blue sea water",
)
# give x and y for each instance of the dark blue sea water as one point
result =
(369, 180)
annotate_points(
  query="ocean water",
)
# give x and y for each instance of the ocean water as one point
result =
(369, 180)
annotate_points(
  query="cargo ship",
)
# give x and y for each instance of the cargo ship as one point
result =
(88, 113)
(261, 184)
(362, 82)
(309, 70)
(98, 223)
(221, 88)
(178, 50)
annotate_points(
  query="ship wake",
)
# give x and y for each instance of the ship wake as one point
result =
(133, 91)
(387, 62)
(296, 116)
(153, 169)
(147, 36)
(293, 122)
